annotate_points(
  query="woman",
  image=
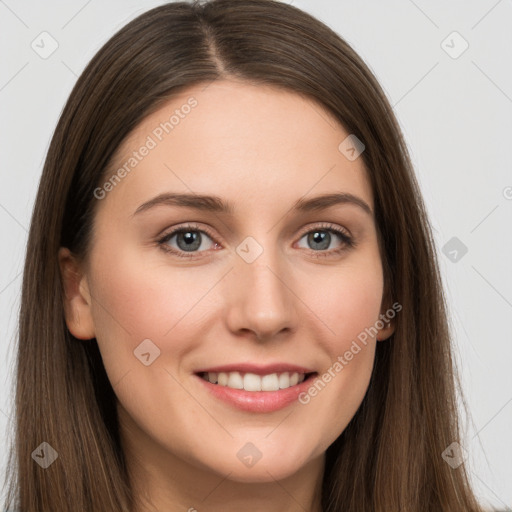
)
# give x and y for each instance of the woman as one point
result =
(231, 297)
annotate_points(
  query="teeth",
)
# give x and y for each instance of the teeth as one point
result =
(294, 379)
(284, 381)
(253, 382)
(222, 379)
(269, 382)
(235, 381)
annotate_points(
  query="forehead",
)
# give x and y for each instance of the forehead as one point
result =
(239, 141)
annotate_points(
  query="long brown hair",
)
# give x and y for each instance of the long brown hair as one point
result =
(389, 458)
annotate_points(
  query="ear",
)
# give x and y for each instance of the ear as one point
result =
(77, 299)
(386, 322)
(387, 330)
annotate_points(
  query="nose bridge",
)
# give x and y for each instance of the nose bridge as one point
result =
(261, 298)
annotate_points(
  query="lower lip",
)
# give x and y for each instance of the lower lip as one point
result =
(258, 401)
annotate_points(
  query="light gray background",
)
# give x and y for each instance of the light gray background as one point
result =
(456, 114)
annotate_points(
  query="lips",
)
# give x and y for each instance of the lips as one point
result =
(257, 388)
(251, 377)
(257, 369)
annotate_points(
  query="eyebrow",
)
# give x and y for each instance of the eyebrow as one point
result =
(215, 204)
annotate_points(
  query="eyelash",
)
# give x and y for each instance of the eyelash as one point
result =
(162, 242)
(347, 241)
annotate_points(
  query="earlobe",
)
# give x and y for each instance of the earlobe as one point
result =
(386, 331)
(385, 324)
(76, 297)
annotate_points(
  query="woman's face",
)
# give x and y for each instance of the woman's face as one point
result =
(259, 281)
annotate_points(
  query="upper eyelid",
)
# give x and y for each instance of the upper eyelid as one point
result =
(184, 228)
(325, 226)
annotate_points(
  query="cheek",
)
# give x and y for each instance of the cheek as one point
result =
(145, 299)
(135, 300)
(348, 302)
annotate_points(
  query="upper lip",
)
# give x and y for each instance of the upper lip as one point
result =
(257, 369)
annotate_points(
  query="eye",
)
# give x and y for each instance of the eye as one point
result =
(320, 238)
(188, 239)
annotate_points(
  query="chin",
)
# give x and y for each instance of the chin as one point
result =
(270, 467)
(263, 473)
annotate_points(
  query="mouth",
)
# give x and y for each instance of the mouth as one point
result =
(253, 382)
(260, 390)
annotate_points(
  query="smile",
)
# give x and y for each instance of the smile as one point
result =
(252, 382)
(257, 389)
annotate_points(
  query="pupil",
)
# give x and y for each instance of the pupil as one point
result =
(322, 238)
(192, 240)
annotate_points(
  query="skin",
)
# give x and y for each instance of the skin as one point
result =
(261, 149)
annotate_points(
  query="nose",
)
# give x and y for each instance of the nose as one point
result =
(261, 299)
